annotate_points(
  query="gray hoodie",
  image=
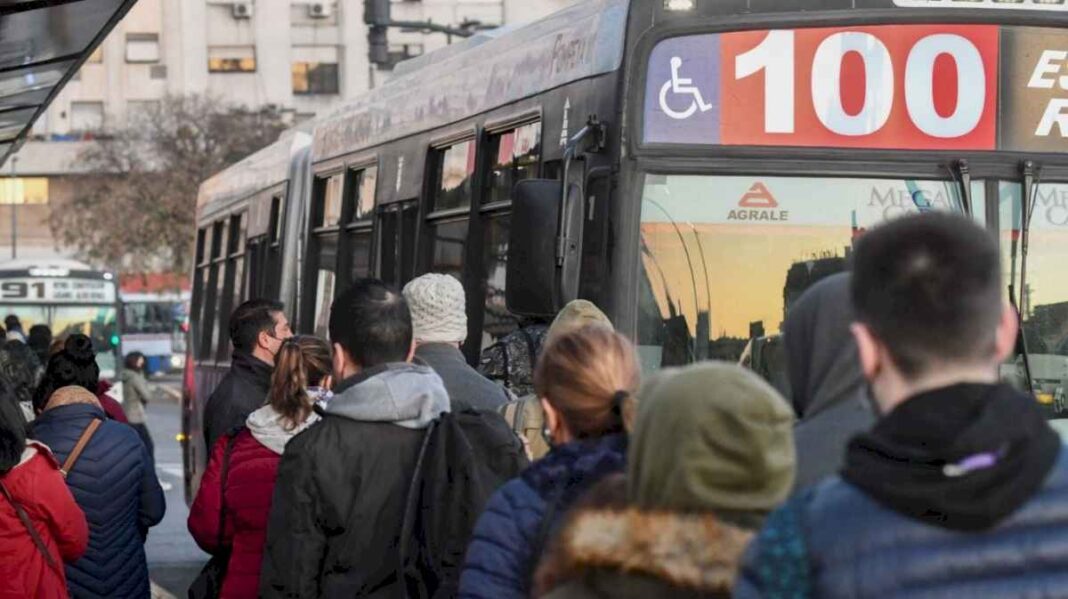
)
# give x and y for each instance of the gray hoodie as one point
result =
(829, 390)
(408, 395)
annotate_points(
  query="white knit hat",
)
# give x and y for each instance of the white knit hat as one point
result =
(439, 308)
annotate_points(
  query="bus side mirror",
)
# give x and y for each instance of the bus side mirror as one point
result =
(531, 281)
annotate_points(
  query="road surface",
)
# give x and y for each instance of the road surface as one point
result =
(174, 560)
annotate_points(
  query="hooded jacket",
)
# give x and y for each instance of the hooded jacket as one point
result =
(36, 484)
(135, 395)
(115, 484)
(339, 502)
(243, 390)
(521, 516)
(958, 492)
(247, 490)
(828, 388)
(704, 468)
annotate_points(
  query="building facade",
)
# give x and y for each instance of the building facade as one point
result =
(304, 57)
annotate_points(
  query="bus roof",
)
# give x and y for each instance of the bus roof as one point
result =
(264, 169)
(479, 74)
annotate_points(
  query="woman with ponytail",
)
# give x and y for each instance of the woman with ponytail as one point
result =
(586, 379)
(229, 514)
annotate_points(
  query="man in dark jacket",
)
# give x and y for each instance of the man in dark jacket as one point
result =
(339, 501)
(439, 323)
(830, 395)
(961, 487)
(257, 329)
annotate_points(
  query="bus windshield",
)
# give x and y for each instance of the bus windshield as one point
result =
(98, 322)
(724, 257)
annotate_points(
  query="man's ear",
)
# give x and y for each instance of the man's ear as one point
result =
(1005, 336)
(340, 359)
(868, 350)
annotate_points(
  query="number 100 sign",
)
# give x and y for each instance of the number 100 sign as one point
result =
(900, 86)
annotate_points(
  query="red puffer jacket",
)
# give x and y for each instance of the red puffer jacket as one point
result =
(249, 485)
(39, 488)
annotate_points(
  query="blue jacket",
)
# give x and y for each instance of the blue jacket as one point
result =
(513, 530)
(836, 542)
(115, 484)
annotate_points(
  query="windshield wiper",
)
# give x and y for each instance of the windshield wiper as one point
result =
(1031, 178)
(963, 175)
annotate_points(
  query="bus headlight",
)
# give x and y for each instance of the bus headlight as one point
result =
(177, 361)
(679, 5)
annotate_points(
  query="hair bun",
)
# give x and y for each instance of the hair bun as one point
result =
(79, 348)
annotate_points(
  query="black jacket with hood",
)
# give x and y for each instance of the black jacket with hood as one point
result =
(828, 390)
(340, 497)
(242, 391)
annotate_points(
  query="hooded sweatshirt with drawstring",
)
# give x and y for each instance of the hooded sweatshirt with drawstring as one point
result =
(338, 508)
(254, 454)
(828, 389)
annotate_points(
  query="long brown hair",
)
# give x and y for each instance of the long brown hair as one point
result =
(302, 361)
(589, 375)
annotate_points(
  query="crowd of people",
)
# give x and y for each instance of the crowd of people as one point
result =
(77, 478)
(380, 464)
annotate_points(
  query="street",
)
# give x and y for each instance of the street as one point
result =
(174, 560)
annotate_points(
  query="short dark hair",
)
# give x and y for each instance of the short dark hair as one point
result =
(12, 322)
(131, 362)
(372, 322)
(929, 287)
(250, 319)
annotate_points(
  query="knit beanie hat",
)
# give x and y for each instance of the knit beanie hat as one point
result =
(711, 437)
(439, 308)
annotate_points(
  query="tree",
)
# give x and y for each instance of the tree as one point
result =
(137, 209)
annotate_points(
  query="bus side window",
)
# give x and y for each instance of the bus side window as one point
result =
(321, 282)
(231, 287)
(396, 242)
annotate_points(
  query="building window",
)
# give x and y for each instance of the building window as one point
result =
(514, 155)
(454, 169)
(232, 59)
(315, 78)
(86, 116)
(24, 190)
(142, 47)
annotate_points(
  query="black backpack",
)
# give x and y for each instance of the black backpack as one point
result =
(464, 458)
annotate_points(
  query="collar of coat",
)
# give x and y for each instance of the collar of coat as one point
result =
(71, 395)
(693, 551)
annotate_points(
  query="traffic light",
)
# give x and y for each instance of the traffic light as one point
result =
(376, 12)
(378, 45)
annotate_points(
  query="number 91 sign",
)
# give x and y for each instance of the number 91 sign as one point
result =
(902, 86)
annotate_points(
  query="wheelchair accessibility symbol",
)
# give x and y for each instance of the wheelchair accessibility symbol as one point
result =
(681, 86)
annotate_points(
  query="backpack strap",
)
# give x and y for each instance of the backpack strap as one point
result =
(79, 447)
(25, 519)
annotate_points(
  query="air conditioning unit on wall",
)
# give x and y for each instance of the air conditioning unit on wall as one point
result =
(241, 10)
(320, 10)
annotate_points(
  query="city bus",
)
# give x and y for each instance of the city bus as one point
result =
(691, 166)
(155, 324)
(69, 297)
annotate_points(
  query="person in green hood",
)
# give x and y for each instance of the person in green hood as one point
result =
(711, 454)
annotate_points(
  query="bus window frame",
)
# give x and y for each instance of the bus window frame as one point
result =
(483, 213)
(313, 245)
(234, 291)
(352, 228)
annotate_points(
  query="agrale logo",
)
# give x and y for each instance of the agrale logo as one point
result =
(760, 205)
